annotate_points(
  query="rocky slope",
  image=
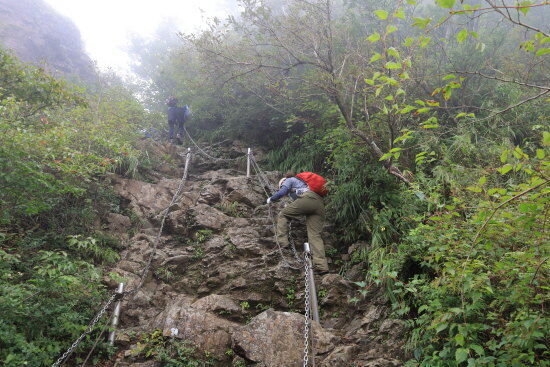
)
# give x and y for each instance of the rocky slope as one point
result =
(41, 36)
(219, 284)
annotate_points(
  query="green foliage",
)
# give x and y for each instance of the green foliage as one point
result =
(56, 144)
(476, 276)
(46, 298)
(171, 352)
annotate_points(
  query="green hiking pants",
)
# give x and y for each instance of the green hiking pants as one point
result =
(312, 206)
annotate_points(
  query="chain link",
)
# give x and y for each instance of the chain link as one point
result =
(292, 243)
(98, 316)
(307, 310)
(175, 198)
(203, 152)
(264, 183)
(279, 247)
(117, 296)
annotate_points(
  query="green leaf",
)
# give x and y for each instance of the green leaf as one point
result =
(390, 29)
(543, 51)
(447, 4)
(505, 169)
(382, 14)
(461, 355)
(386, 156)
(522, 8)
(546, 138)
(393, 65)
(482, 181)
(474, 188)
(400, 13)
(462, 35)
(441, 326)
(459, 339)
(478, 349)
(421, 22)
(393, 52)
(425, 41)
(374, 37)
(541, 154)
(504, 156)
(408, 42)
(447, 77)
(375, 57)
(406, 109)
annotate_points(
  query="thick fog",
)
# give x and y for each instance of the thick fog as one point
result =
(106, 26)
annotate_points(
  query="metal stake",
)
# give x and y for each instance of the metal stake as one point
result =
(116, 315)
(248, 163)
(312, 289)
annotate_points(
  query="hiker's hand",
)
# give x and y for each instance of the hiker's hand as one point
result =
(269, 200)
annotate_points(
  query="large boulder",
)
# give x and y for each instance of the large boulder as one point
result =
(118, 224)
(146, 199)
(195, 323)
(208, 217)
(275, 339)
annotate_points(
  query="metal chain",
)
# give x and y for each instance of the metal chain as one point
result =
(90, 327)
(165, 212)
(292, 243)
(264, 182)
(307, 321)
(262, 175)
(144, 273)
(279, 247)
(200, 150)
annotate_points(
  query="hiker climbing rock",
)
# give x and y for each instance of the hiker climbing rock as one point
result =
(306, 191)
(176, 116)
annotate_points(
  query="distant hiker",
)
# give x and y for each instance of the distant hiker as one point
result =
(307, 190)
(176, 116)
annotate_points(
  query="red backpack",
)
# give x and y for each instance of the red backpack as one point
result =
(315, 182)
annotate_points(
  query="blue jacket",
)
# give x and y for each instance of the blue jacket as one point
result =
(292, 187)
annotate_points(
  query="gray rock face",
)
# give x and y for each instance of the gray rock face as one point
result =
(207, 331)
(118, 223)
(273, 339)
(38, 34)
(217, 270)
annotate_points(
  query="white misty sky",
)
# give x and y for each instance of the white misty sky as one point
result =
(105, 25)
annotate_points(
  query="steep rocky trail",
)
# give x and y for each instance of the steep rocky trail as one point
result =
(218, 281)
